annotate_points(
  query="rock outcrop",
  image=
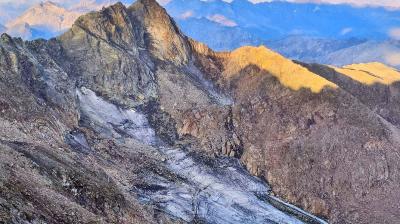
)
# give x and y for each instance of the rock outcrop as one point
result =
(321, 138)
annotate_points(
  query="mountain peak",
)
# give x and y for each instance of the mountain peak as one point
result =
(115, 7)
(145, 24)
(165, 40)
(48, 16)
(5, 37)
(112, 24)
(150, 3)
(48, 4)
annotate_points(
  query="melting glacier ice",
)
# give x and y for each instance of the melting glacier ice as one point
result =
(213, 191)
(107, 115)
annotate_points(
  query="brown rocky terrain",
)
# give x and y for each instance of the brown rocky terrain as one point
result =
(104, 123)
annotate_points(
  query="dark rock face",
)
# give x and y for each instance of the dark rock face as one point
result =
(320, 143)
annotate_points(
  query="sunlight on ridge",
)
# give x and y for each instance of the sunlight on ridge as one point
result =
(370, 73)
(287, 72)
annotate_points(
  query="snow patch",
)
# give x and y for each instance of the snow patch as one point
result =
(117, 119)
(220, 19)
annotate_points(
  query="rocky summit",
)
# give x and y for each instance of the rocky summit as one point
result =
(124, 119)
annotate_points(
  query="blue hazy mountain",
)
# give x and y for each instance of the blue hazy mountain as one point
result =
(323, 33)
(275, 20)
(338, 52)
(387, 52)
(311, 49)
(217, 36)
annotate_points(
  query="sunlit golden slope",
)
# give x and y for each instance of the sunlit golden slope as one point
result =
(290, 74)
(370, 73)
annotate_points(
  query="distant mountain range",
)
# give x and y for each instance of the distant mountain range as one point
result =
(278, 19)
(387, 52)
(323, 33)
(338, 52)
(45, 20)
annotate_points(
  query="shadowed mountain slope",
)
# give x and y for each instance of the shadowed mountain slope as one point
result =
(374, 84)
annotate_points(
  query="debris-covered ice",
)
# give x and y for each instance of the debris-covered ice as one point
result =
(217, 191)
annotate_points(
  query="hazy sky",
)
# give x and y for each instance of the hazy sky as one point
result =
(386, 3)
(389, 3)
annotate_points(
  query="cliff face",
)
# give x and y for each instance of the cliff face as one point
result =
(104, 122)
